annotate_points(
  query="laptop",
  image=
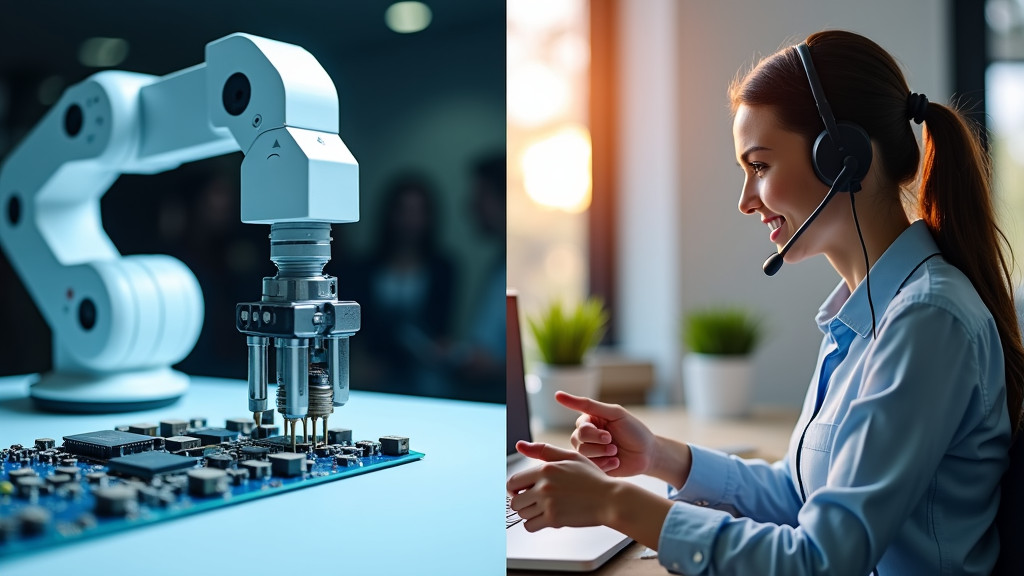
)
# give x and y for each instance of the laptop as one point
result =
(564, 549)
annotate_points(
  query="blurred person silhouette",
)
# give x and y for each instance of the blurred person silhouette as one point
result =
(405, 289)
(479, 362)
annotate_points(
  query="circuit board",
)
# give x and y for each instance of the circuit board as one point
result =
(112, 480)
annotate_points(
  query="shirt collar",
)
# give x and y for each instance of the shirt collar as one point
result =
(888, 274)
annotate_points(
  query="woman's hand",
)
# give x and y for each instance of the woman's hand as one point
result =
(621, 445)
(612, 438)
(568, 490)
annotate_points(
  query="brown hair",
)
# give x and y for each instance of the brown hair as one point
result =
(864, 85)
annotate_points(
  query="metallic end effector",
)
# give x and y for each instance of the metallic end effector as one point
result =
(300, 317)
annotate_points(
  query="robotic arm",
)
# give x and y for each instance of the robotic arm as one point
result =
(119, 322)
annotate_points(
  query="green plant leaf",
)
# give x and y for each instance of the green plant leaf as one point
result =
(564, 338)
(723, 330)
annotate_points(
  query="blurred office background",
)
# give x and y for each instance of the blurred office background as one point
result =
(422, 107)
(623, 182)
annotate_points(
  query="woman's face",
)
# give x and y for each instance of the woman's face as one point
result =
(780, 185)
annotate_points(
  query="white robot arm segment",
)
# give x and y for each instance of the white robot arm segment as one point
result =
(130, 318)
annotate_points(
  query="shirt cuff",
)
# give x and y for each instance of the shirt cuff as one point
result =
(711, 481)
(687, 538)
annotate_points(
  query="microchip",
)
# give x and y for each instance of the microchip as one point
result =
(176, 443)
(104, 444)
(339, 436)
(394, 445)
(287, 464)
(149, 464)
(212, 436)
(170, 428)
(253, 453)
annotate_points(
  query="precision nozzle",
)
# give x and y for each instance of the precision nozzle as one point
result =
(294, 376)
(257, 373)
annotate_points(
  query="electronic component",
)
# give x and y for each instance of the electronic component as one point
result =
(253, 453)
(145, 428)
(105, 444)
(44, 443)
(257, 468)
(197, 422)
(146, 465)
(58, 479)
(339, 436)
(394, 445)
(176, 443)
(30, 487)
(242, 425)
(115, 500)
(17, 475)
(221, 461)
(237, 476)
(34, 520)
(74, 472)
(207, 482)
(171, 428)
(369, 447)
(346, 460)
(287, 464)
(212, 436)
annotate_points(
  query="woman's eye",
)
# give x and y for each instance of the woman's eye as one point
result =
(757, 167)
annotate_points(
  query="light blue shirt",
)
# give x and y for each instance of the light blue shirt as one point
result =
(902, 462)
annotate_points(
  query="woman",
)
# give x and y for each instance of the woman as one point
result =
(895, 463)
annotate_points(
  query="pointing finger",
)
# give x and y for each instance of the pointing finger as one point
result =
(590, 406)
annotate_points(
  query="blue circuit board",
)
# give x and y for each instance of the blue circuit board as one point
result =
(107, 481)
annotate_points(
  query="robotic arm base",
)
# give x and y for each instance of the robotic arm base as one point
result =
(127, 391)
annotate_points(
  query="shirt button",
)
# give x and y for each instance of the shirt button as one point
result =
(702, 503)
(697, 557)
(675, 566)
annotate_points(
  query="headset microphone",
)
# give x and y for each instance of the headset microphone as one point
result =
(774, 262)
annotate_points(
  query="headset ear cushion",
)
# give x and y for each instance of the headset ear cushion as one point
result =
(828, 159)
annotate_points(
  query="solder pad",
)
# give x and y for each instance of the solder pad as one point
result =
(49, 497)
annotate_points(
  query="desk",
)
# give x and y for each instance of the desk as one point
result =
(439, 515)
(765, 434)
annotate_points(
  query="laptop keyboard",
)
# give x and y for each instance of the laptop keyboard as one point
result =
(511, 516)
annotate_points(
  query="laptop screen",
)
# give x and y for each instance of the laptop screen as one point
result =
(517, 418)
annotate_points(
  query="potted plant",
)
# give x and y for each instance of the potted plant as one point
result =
(717, 372)
(564, 336)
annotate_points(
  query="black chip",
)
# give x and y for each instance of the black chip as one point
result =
(105, 444)
(394, 445)
(253, 453)
(150, 464)
(243, 425)
(146, 428)
(176, 443)
(287, 464)
(212, 436)
(170, 428)
(222, 461)
(339, 436)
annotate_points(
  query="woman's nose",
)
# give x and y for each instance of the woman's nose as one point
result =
(749, 200)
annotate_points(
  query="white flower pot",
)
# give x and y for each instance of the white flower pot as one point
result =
(717, 386)
(545, 411)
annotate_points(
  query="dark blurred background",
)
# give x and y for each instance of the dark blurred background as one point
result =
(424, 115)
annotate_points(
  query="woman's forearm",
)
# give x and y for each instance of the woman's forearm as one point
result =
(637, 513)
(671, 462)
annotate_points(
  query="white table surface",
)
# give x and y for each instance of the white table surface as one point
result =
(438, 515)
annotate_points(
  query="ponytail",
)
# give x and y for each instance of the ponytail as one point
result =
(955, 199)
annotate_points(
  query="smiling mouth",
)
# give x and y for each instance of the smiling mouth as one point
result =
(775, 223)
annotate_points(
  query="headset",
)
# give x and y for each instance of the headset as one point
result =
(841, 156)
(839, 140)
